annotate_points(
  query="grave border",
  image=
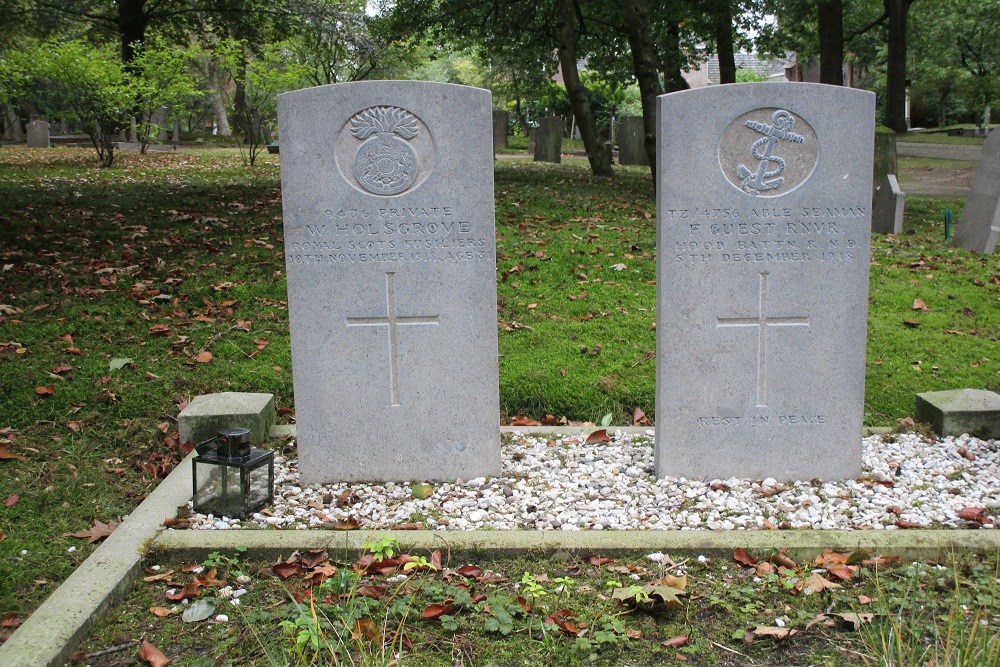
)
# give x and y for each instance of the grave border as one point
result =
(54, 631)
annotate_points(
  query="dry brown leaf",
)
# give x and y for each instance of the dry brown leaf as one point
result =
(598, 437)
(203, 357)
(675, 642)
(152, 655)
(918, 304)
(6, 454)
(741, 556)
(815, 583)
(162, 612)
(98, 531)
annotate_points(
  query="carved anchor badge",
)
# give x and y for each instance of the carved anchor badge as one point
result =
(756, 181)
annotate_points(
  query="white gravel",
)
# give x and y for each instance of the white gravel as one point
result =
(567, 485)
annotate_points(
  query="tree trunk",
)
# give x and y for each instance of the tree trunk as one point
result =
(132, 22)
(830, 15)
(578, 94)
(722, 26)
(895, 71)
(636, 26)
(672, 60)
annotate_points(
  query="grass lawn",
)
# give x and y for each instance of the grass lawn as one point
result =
(126, 292)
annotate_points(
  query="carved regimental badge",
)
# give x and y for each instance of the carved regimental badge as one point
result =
(768, 152)
(385, 164)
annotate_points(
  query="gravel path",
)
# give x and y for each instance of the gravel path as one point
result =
(565, 484)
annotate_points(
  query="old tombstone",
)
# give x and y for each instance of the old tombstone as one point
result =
(387, 191)
(631, 141)
(160, 119)
(979, 226)
(888, 199)
(501, 122)
(38, 134)
(763, 236)
(532, 136)
(175, 132)
(548, 139)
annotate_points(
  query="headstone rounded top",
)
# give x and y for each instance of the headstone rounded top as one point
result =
(768, 152)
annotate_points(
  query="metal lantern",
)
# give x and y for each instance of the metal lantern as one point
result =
(231, 478)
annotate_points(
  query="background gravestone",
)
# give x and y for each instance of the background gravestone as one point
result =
(631, 141)
(501, 121)
(979, 226)
(38, 134)
(387, 193)
(548, 139)
(887, 198)
(763, 236)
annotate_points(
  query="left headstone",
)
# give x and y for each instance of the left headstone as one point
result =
(38, 134)
(548, 139)
(979, 227)
(888, 200)
(387, 192)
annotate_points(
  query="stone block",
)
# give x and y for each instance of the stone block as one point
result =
(763, 238)
(38, 134)
(387, 197)
(548, 139)
(888, 206)
(208, 413)
(959, 411)
(632, 141)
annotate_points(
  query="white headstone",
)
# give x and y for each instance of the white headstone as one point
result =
(979, 226)
(763, 213)
(38, 134)
(387, 191)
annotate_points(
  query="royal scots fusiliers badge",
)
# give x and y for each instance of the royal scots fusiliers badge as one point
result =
(385, 164)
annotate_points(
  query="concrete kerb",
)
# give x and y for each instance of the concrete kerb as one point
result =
(56, 628)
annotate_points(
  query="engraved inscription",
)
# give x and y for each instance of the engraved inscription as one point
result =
(761, 155)
(761, 322)
(392, 321)
(762, 420)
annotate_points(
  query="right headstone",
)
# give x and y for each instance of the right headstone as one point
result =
(979, 226)
(631, 141)
(763, 237)
(38, 134)
(888, 199)
(548, 139)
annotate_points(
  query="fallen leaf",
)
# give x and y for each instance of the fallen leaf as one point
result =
(918, 304)
(675, 642)
(471, 571)
(74, 426)
(47, 390)
(190, 590)
(6, 454)
(815, 583)
(118, 364)
(10, 620)
(421, 491)
(152, 655)
(974, 514)
(98, 531)
(286, 570)
(741, 556)
(773, 632)
(59, 370)
(162, 612)
(12, 500)
(633, 634)
(203, 357)
(2, 536)
(165, 576)
(619, 267)
(597, 561)
(563, 619)
(198, 611)
(521, 420)
(436, 610)
(598, 437)
(912, 323)
(855, 620)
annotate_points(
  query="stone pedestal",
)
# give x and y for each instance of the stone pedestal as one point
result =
(208, 413)
(959, 411)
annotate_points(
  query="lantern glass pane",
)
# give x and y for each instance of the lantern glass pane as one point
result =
(217, 489)
(260, 485)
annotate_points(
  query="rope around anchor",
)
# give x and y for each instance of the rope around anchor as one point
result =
(754, 150)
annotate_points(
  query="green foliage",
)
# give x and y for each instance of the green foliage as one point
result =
(382, 549)
(83, 84)
(749, 76)
(160, 78)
